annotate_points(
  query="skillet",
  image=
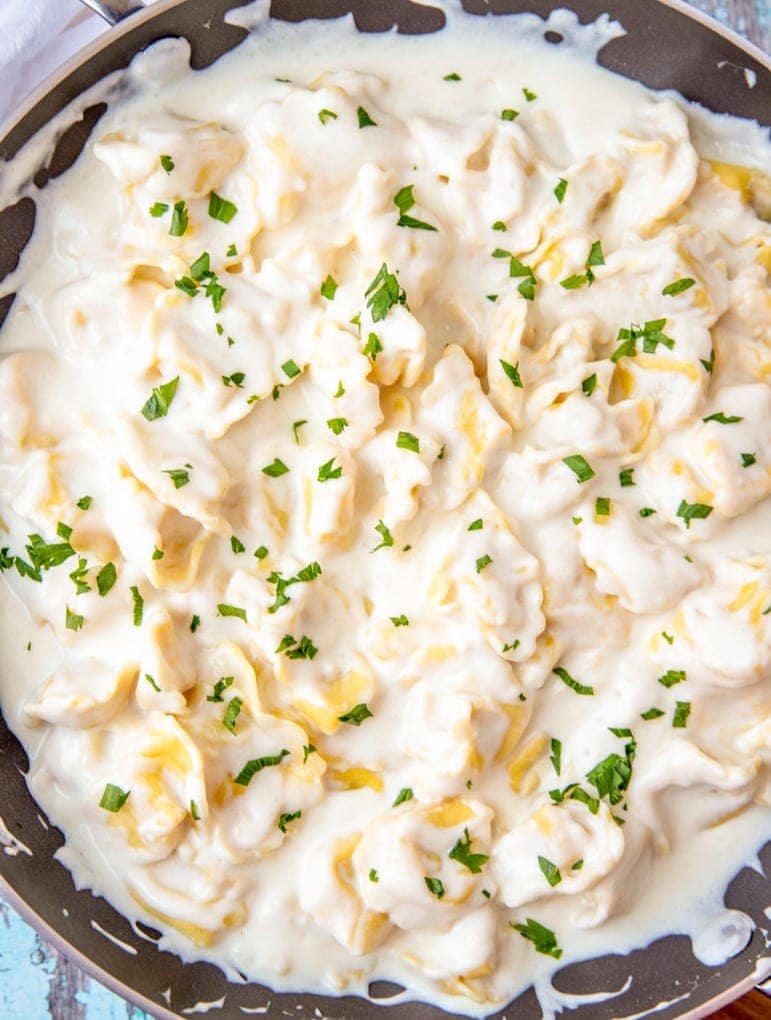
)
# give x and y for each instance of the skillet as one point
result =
(667, 45)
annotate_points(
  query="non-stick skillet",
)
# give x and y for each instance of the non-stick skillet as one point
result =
(667, 45)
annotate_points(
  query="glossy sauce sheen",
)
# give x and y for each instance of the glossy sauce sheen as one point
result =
(449, 530)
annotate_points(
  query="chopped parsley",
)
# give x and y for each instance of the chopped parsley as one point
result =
(383, 293)
(194, 812)
(500, 225)
(625, 478)
(167, 163)
(646, 511)
(680, 718)
(693, 511)
(476, 525)
(340, 389)
(407, 441)
(611, 776)
(326, 115)
(651, 334)
(385, 536)
(544, 940)
(453, 76)
(594, 258)
(589, 384)
(77, 577)
(328, 288)
(179, 476)
(672, 677)
(723, 419)
(304, 649)
(365, 120)
(356, 715)
(139, 605)
(602, 506)
(231, 714)
(572, 683)
(157, 209)
(560, 189)
(113, 798)
(709, 365)
(159, 402)
(220, 209)
(276, 469)
(400, 621)
(748, 459)
(556, 755)
(550, 871)
(236, 379)
(509, 114)
(482, 562)
(261, 552)
(512, 371)
(328, 472)
(652, 713)
(296, 426)
(84, 503)
(237, 545)
(529, 96)
(373, 346)
(435, 887)
(579, 466)
(373, 876)
(73, 621)
(179, 220)
(308, 750)
(575, 792)
(518, 269)
(223, 609)
(337, 425)
(678, 286)
(106, 578)
(219, 688)
(403, 796)
(291, 369)
(285, 819)
(255, 765)
(404, 200)
(461, 853)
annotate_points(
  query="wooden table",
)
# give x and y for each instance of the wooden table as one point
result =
(36, 983)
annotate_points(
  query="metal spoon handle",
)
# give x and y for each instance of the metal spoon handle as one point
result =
(114, 11)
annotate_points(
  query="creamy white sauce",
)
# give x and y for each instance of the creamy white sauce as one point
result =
(617, 600)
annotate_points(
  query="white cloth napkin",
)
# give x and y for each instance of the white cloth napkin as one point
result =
(36, 36)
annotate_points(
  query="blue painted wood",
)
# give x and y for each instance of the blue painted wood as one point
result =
(36, 983)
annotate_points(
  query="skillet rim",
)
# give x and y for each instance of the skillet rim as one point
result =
(9, 125)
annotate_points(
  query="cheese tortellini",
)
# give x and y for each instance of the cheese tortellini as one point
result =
(386, 461)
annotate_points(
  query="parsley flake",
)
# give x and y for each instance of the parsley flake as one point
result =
(159, 402)
(113, 798)
(550, 871)
(407, 441)
(579, 466)
(570, 682)
(356, 715)
(544, 940)
(461, 853)
(512, 371)
(220, 209)
(678, 286)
